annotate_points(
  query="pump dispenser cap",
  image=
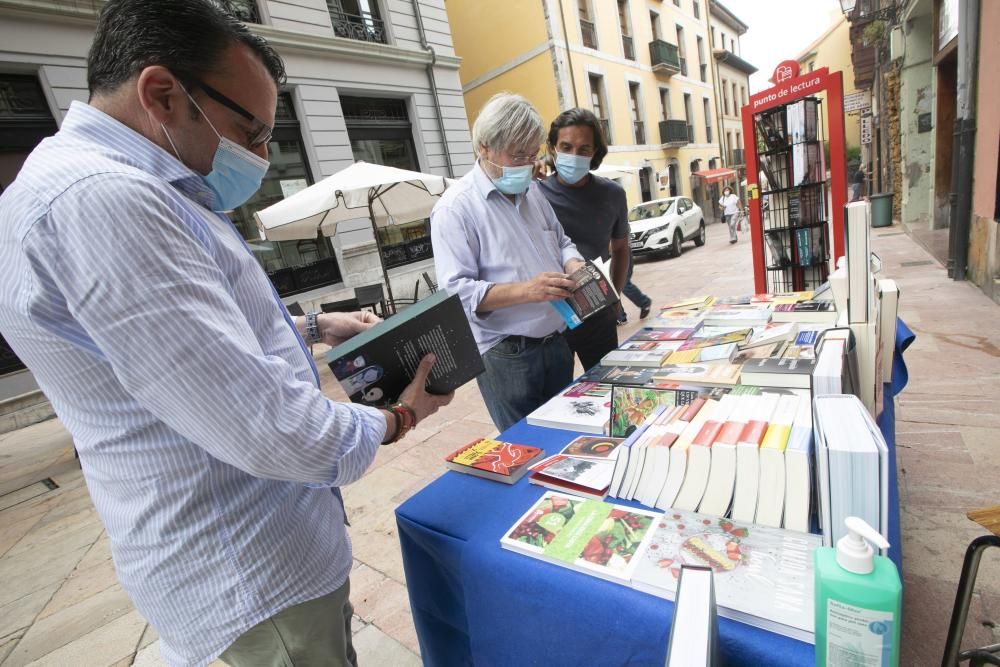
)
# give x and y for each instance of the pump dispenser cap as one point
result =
(854, 554)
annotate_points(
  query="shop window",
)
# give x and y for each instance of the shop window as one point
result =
(380, 133)
(292, 266)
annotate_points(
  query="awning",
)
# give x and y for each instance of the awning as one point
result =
(716, 175)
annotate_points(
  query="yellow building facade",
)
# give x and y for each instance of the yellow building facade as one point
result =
(832, 50)
(645, 67)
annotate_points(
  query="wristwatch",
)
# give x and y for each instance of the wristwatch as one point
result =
(406, 419)
(312, 329)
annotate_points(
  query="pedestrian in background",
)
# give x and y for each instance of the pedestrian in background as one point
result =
(593, 212)
(635, 295)
(730, 205)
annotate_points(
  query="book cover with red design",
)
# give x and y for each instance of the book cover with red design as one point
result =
(501, 461)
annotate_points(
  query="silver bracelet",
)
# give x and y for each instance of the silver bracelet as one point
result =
(312, 330)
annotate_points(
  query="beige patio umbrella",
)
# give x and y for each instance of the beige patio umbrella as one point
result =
(384, 195)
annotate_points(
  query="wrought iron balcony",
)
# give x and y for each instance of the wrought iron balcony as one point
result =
(628, 48)
(663, 57)
(684, 66)
(674, 132)
(588, 33)
(737, 157)
(640, 132)
(364, 27)
(244, 10)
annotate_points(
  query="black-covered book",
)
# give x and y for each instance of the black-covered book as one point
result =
(375, 366)
(772, 372)
(593, 292)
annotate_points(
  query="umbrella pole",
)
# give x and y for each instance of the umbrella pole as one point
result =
(381, 259)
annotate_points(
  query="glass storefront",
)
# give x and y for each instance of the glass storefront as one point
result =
(292, 266)
(380, 133)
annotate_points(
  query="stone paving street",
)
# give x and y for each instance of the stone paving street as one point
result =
(60, 603)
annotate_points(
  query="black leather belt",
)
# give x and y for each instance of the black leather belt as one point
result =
(528, 340)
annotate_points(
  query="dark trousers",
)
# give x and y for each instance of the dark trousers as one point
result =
(523, 373)
(593, 339)
(632, 292)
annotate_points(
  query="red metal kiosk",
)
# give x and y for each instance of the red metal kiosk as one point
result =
(796, 211)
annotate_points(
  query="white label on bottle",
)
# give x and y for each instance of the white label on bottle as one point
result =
(857, 637)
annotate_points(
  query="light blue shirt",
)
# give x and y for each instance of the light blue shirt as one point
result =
(207, 447)
(482, 238)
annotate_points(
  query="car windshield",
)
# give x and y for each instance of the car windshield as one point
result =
(651, 210)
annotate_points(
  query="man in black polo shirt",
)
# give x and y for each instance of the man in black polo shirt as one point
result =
(594, 214)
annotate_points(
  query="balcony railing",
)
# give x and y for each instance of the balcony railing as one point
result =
(737, 157)
(674, 132)
(588, 33)
(364, 27)
(628, 48)
(663, 57)
(640, 133)
(606, 126)
(684, 66)
(244, 10)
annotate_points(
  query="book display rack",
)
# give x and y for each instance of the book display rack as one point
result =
(792, 177)
(797, 187)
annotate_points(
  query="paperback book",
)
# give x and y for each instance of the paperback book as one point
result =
(630, 406)
(594, 291)
(375, 366)
(593, 447)
(583, 477)
(763, 576)
(500, 461)
(806, 311)
(583, 407)
(663, 333)
(779, 372)
(597, 538)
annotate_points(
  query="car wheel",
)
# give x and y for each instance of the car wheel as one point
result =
(699, 240)
(675, 247)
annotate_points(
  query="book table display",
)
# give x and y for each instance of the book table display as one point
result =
(474, 602)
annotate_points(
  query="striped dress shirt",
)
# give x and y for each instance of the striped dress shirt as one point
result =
(208, 449)
(482, 238)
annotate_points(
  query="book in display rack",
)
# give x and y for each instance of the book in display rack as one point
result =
(791, 169)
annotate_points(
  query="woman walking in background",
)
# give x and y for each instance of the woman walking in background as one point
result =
(730, 205)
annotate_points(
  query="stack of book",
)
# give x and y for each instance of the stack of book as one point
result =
(747, 454)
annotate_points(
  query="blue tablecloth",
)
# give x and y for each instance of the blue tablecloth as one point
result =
(475, 603)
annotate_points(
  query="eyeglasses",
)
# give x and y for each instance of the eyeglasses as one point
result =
(522, 159)
(261, 132)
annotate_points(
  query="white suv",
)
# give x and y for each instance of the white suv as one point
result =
(662, 225)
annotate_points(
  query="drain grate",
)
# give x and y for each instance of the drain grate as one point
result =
(25, 493)
(922, 262)
(889, 234)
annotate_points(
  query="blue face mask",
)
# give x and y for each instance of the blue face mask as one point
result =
(513, 180)
(571, 168)
(236, 172)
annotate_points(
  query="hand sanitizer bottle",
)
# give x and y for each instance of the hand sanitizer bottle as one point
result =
(858, 601)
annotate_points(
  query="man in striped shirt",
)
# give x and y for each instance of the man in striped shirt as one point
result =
(209, 451)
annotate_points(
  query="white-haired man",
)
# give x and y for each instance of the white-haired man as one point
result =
(500, 247)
